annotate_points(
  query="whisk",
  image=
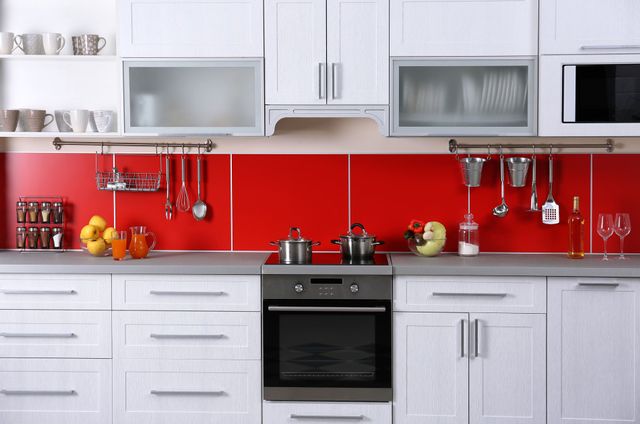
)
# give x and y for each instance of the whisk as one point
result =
(182, 202)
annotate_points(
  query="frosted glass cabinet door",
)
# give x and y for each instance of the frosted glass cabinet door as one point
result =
(195, 97)
(464, 97)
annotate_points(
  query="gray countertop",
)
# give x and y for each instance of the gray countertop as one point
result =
(156, 263)
(550, 265)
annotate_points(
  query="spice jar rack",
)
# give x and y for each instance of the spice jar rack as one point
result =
(40, 224)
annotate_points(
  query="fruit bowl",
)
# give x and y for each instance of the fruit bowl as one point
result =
(429, 248)
(83, 247)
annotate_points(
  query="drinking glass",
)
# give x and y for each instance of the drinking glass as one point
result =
(622, 227)
(605, 230)
(119, 245)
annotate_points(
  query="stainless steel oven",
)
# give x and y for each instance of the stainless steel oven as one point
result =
(327, 337)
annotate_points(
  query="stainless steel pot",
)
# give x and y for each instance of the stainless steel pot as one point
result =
(358, 247)
(295, 249)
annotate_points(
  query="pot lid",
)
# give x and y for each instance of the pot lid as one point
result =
(295, 236)
(362, 235)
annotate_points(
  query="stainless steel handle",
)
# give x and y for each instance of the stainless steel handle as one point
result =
(188, 392)
(186, 336)
(66, 292)
(462, 338)
(599, 284)
(334, 91)
(186, 293)
(38, 335)
(38, 392)
(476, 337)
(610, 47)
(327, 417)
(444, 294)
(321, 80)
(326, 309)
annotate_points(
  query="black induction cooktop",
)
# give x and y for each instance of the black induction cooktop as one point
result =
(332, 259)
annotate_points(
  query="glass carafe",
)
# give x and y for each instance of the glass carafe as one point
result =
(138, 248)
(468, 237)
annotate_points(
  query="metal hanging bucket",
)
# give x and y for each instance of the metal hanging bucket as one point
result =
(471, 169)
(518, 168)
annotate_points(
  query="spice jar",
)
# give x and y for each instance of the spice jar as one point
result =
(45, 212)
(468, 237)
(33, 213)
(58, 212)
(33, 234)
(57, 235)
(21, 237)
(45, 238)
(21, 212)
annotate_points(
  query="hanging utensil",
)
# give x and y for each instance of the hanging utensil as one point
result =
(533, 206)
(183, 203)
(550, 209)
(199, 209)
(502, 209)
(168, 207)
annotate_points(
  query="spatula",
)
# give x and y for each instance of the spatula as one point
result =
(550, 209)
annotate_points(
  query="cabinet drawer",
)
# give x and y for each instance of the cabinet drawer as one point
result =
(55, 291)
(187, 335)
(55, 334)
(166, 392)
(180, 292)
(55, 391)
(470, 294)
(325, 412)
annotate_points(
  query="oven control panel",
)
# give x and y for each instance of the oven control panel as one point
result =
(322, 287)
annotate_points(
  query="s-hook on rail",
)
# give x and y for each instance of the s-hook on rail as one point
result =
(454, 146)
(207, 147)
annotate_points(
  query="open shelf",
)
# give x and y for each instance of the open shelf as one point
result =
(53, 134)
(60, 57)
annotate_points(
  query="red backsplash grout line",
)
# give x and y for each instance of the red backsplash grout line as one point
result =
(591, 203)
(231, 200)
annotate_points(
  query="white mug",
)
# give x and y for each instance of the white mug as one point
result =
(7, 42)
(53, 43)
(102, 120)
(77, 119)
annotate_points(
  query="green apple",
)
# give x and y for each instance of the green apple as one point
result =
(435, 235)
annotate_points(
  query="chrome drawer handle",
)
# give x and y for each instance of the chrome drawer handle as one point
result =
(470, 294)
(326, 309)
(39, 335)
(186, 293)
(67, 292)
(186, 336)
(612, 285)
(38, 392)
(327, 417)
(611, 47)
(188, 392)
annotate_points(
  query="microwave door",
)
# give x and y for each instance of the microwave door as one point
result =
(569, 94)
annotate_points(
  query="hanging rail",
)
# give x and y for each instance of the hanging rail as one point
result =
(207, 147)
(454, 146)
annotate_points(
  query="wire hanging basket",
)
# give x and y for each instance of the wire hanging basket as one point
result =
(115, 180)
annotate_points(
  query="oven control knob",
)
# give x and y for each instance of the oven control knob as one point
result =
(298, 288)
(354, 288)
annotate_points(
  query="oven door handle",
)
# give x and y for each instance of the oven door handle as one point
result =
(351, 309)
(327, 417)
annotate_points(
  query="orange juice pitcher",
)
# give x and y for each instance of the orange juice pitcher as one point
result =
(138, 248)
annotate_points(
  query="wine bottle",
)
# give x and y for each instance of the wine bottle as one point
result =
(576, 231)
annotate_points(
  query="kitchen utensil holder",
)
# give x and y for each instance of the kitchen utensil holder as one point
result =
(40, 224)
(518, 169)
(471, 169)
(455, 147)
(115, 180)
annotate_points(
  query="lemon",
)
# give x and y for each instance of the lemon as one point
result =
(108, 235)
(97, 247)
(88, 233)
(99, 222)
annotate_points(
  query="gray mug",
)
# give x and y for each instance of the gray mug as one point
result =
(34, 120)
(30, 43)
(8, 120)
(62, 126)
(89, 44)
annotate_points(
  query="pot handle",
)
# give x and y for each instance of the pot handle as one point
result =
(296, 230)
(315, 243)
(338, 242)
(378, 243)
(274, 243)
(357, 225)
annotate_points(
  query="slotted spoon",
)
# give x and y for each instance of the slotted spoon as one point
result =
(550, 209)
(182, 203)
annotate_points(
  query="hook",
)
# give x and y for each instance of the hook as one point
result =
(102, 148)
(533, 146)
(182, 149)
(488, 151)
(551, 151)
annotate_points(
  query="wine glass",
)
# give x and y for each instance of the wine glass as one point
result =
(622, 227)
(605, 230)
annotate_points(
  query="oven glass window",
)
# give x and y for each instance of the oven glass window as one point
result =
(607, 93)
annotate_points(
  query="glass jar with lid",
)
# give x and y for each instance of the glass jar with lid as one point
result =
(468, 237)
(21, 212)
(32, 214)
(21, 238)
(33, 234)
(58, 212)
(45, 212)
(57, 235)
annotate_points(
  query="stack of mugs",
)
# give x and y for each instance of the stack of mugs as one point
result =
(50, 43)
(78, 120)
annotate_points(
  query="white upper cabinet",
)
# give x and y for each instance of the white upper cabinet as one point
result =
(464, 28)
(594, 351)
(589, 26)
(358, 51)
(203, 28)
(295, 51)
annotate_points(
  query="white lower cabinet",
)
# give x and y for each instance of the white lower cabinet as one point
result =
(594, 351)
(55, 391)
(469, 368)
(326, 412)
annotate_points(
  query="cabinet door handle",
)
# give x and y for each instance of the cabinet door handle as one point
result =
(38, 335)
(188, 392)
(476, 340)
(612, 285)
(321, 80)
(67, 292)
(327, 417)
(186, 293)
(334, 73)
(462, 338)
(610, 47)
(186, 336)
(38, 392)
(453, 294)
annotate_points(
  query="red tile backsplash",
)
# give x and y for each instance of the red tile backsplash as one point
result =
(319, 192)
